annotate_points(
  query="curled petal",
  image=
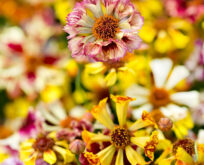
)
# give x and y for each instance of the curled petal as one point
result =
(132, 41)
(92, 49)
(76, 46)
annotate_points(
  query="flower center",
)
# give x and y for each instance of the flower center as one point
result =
(186, 144)
(159, 97)
(105, 27)
(120, 137)
(43, 144)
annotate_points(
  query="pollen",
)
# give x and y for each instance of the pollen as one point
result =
(186, 144)
(120, 137)
(159, 97)
(105, 27)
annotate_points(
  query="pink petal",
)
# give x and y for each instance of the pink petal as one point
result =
(76, 46)
(112, 50)
(136, 21)
(92, 49)
(132, 41)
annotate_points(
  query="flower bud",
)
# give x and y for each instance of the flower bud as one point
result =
(165, 124)
(77, 147)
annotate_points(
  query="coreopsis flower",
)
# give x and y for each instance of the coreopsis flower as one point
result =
(191, 10)
(46, 147)
(183, 152)
(130, 69)
(68, 125)
(196, 61)
(103, 30)
(122, 137)
(162, 96)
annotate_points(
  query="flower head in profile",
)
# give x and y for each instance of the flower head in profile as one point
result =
(103, 30)
(162, 97)
(46, 147)
(123, 141)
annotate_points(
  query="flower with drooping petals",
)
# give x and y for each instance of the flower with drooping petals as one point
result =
(46, 146)
(122, 137)
(103, 30)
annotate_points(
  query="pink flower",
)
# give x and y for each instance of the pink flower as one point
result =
(103, 30)
(186, 9)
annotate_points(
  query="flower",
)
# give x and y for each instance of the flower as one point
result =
(46, 146)
(103, 30)
(184, 152)
(196, 61)
(122, 137)
(163, 96)
(191, 10)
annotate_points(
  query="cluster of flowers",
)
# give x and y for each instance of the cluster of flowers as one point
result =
(128, 90)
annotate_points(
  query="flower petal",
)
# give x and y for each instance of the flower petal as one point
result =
(111, 77)
(106, 155)
(101, 114)
(122, 103)
(132, 41)
(133, 157)
(49, 156)
(179, 73)
(76, 46)
(160, 69)
(65, 153)
(92, 49)
(137, 112)
(119, 157)
(190, 98)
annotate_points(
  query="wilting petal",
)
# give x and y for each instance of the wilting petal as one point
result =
(179, 73)
(101, 114)
(150, 146)
(145, 121)
(92, 49)
(136, 21)
(106, 155)
(132, 41)
(112, 50)
(49, 156)
(161, 69)
(190, 98)
(140, 141)
(133, 157)
(122, 103)
(76, 46)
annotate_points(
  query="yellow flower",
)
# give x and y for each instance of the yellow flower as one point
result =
(121, 136)
(131, 69)
(47, 147)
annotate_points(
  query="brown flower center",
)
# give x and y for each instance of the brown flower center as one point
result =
(186, 144)
(106, 27)
(159, 97)
(120, 137)
(43, 144)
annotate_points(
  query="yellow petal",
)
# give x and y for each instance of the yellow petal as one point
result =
(182, 155)
(166, 152)
(101, 114)
(30, 160)
(133, 157)
(65, 153)
(121, 107)
(119, 158)
(94, 68)
(150, 146)
(200, 151)
(111, 78)
(106, 155)
(139, 141)
(89, 137)
(145, 121)
(49, 156)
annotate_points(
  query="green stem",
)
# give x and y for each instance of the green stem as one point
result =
(77, 159)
